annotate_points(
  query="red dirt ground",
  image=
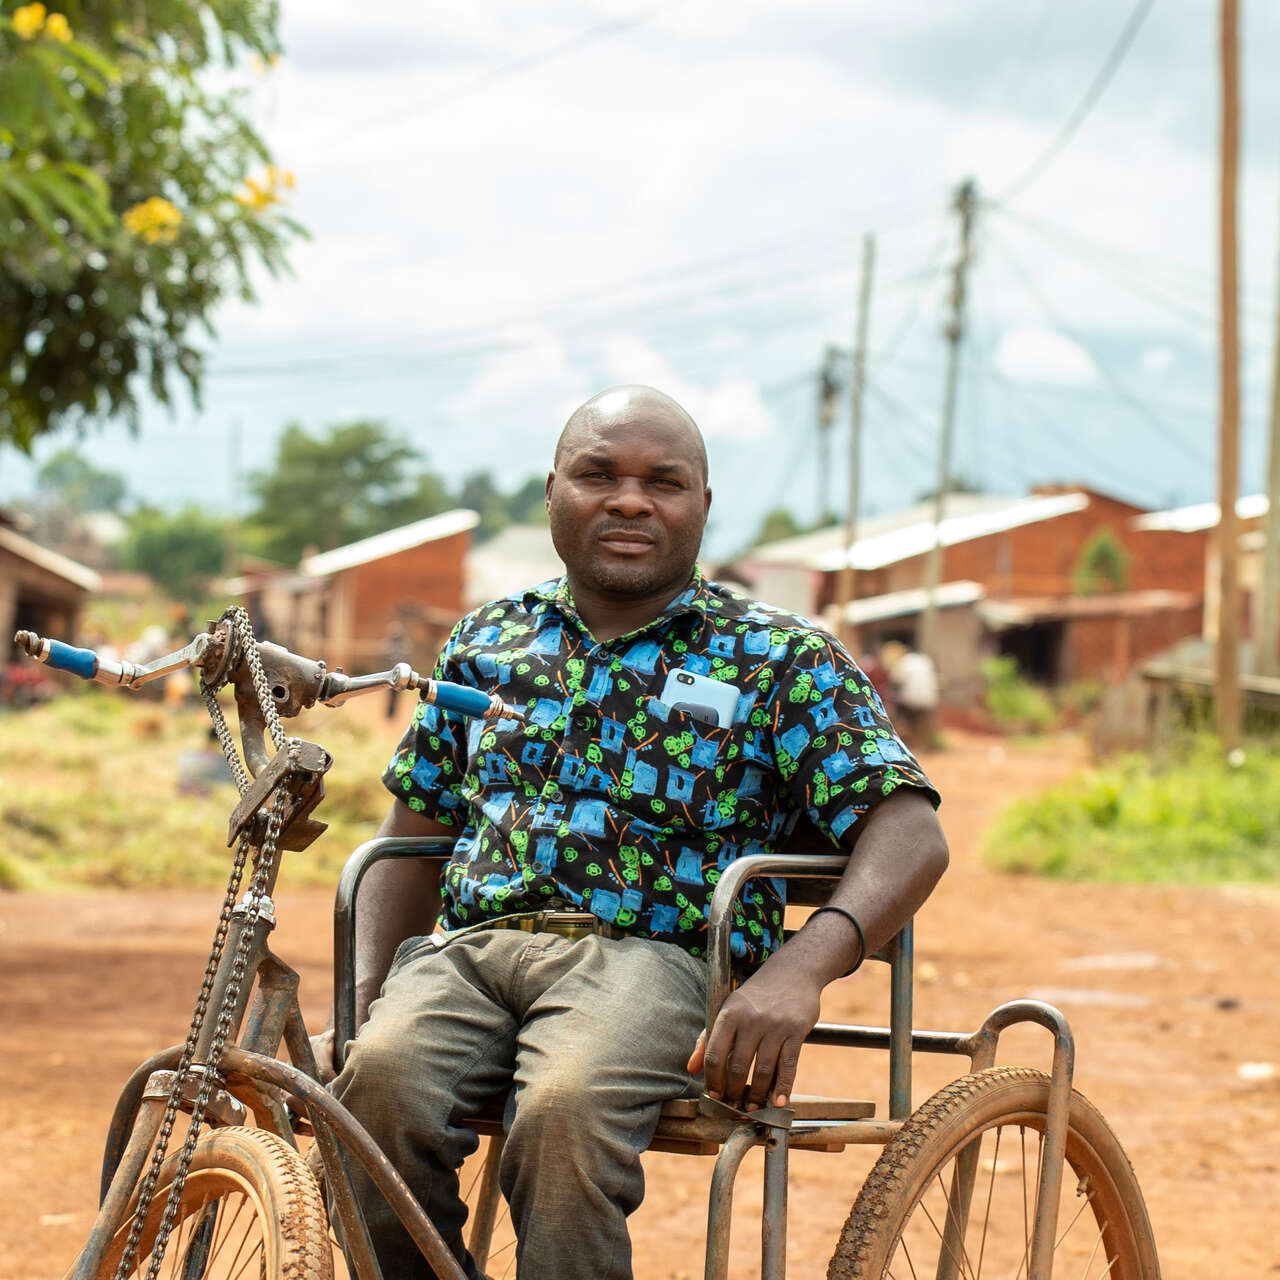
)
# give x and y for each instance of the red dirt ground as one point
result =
(1171, 991)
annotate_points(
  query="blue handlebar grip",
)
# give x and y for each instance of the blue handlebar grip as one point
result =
(66, 657)
(461, 698)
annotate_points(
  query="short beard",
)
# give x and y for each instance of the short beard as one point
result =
(626, 582)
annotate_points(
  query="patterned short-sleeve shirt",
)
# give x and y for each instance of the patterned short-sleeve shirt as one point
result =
(605, 798)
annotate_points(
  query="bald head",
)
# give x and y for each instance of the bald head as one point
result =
(632, 408)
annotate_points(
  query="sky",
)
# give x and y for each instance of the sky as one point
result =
(514, 206)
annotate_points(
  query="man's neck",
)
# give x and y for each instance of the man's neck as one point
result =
(607, 617)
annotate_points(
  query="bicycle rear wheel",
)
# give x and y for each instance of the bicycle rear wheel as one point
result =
(909, 1220)
(249, 1207)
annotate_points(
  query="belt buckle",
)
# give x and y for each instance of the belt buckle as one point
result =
(569, 924)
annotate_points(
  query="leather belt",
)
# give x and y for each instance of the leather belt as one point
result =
(568, 924)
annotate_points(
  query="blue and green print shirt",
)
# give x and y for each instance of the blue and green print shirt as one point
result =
(609, 800)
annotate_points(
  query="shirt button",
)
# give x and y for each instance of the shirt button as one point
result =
(555, 794)
(539, 868)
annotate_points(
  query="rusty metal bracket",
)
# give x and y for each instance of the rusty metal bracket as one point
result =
(221, 1108)
(779, 1118)
(301, 774)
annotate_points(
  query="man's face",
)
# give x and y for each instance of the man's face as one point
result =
(627, 504)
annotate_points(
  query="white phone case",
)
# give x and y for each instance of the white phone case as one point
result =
(692, 692)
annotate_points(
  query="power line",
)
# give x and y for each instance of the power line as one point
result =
(1086, 104)
(527, 62)
(1121, 391)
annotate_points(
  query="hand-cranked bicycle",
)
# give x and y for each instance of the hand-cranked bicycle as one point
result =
(1006, 1172)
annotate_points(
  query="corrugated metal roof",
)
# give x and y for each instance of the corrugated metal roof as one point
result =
(902, 604)
(79, 575)
(1203, 515)
(390, 543)
(916, 539)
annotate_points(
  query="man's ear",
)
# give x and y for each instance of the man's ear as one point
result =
(706, 500)
(546, 497)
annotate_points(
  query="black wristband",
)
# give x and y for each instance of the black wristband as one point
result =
(862, 937)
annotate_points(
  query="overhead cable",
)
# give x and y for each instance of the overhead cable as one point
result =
(1073, 122)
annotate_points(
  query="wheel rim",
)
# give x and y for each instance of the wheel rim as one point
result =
(992, 1241)
(221, 1233)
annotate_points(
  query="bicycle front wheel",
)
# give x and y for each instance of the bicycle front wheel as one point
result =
(954, 1193)
(249, 1207)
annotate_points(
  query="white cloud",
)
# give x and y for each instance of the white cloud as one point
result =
(1039, 355)
(732, 410)
(536, 373)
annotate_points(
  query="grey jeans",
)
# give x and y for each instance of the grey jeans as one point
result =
(589, 1037)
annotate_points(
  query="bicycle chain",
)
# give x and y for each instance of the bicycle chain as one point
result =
(241, 637)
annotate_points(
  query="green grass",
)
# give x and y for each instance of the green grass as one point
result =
(89, 797)
(1197, 821)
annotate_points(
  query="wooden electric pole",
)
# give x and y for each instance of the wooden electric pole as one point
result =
(965, 203)
(857, 381)
(828, 391)
(1228, 649)
(1266, 661)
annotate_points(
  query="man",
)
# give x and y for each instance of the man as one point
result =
(610, 801)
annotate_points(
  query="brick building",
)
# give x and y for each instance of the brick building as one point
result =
(344, 605)
(1008, 571)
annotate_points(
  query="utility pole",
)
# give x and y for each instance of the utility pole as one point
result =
(965, 204)
(828, 391)
(857, 380)
(1266, 662)
(1228, 651)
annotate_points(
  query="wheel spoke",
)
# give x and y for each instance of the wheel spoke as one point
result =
(961, 1262)
(991, 1188)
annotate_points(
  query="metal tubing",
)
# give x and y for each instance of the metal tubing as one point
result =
(487, 1203)
(344, 922)
(357, 1247)
(901, 967)
(121, 1129)
(255, 1068)
(984, 1042)
(861, 1133)
(854, 1036)
(730, 885)
(720, 1200)
(773, 1217)
(113, 1212)
(261, 927)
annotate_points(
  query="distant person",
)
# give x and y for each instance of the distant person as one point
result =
(914, 678)
(395, 649)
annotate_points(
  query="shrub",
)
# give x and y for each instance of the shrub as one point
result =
(1197, 821)
(1016, 704)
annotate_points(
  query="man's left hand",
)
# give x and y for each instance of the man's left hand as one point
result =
(764, 1023)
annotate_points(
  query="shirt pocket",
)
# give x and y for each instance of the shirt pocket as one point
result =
(673, 767)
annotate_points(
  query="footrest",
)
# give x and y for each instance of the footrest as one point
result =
(806, 1106)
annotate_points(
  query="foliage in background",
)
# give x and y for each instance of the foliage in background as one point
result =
(91, 797)
(1200, 821)
(1103, 565)
(79, 484)
(182, 553)
(1015, 704)
(356, 479)
(325, 491)
(133, 199)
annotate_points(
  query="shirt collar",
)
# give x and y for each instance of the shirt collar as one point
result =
(691, 603)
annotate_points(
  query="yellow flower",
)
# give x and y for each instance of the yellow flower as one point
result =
(262, 193)
(156, 220)
(28, 20)
(57, 27)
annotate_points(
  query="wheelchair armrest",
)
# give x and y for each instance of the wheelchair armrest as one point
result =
(431, 848)
(818, 874)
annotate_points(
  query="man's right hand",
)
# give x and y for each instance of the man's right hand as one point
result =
(322, 1047)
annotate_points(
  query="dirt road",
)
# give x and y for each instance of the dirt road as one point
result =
(1174, 995)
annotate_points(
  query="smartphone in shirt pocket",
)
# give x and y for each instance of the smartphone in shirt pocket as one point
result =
(711, 701)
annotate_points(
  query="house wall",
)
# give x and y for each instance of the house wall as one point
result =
(365, 600)
(33, 599)
(1106, 648)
